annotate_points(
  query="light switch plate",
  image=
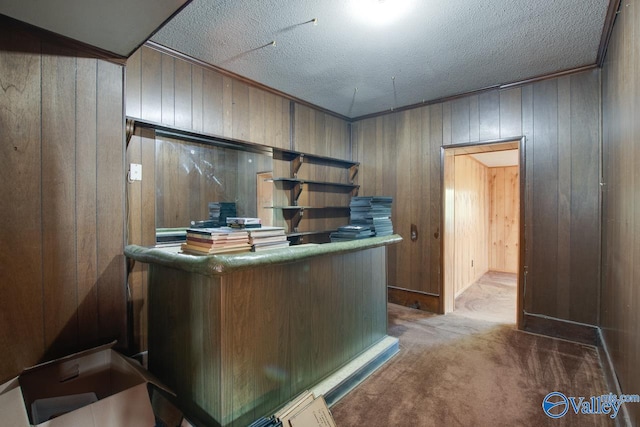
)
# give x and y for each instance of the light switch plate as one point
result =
(135, 172)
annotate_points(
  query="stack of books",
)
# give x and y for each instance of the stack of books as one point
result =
(372, 211)
(170, 236)
(220, 211)
(265, 238)
(351, 232)
(244, 222)
(266, 422)
(221, 240)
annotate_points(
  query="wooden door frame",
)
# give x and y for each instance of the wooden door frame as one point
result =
(522, 268)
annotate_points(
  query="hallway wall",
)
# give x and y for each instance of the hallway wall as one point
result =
(471, 222)
(504, 218)
(620, 295)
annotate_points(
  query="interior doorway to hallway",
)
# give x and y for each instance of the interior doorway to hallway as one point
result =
(483, 214)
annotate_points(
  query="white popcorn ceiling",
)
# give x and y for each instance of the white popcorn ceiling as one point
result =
(438, 49)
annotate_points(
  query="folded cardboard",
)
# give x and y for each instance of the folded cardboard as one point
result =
(315, 414)
(119, 384)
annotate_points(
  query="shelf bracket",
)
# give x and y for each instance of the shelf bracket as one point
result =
(353, 171)
(295, 165)
(295, 193)
(295, 221)
(354, 192)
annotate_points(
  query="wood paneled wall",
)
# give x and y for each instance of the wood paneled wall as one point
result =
(504, 218)
(620, 296)
(62, 269)
(254, 339)
(471, 222)
(173, 91)
(560, 118)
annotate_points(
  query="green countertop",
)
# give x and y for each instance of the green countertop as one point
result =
(217, 265)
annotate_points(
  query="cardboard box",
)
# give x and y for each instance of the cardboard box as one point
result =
(119, 384)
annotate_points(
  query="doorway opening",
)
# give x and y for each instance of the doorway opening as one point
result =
(483, 222)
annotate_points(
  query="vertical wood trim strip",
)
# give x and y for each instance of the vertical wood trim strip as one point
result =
(58, 200)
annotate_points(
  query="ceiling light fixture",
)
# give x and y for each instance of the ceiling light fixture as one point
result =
(380, 12)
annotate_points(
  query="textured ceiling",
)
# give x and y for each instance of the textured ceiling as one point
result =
(354, 65)
(495, 159)
(117, 26)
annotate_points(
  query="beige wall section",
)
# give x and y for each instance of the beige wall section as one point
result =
(620, 297)
(504, 219)
(560, 118)
(471, 229)
(62, 268)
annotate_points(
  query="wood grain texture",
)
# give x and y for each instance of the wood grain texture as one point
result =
(20, 120)
(60, 117)
(150, 85)
(86, 211)
(173, 91)
(471, 222)
(545, 192)
(585, 192)
(620, 295)
(541, 113)
(58, 198)
(240, 345)
(564, 293)
(504, 214)
(110, 175)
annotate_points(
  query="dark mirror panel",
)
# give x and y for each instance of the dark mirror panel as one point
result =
(190, 176)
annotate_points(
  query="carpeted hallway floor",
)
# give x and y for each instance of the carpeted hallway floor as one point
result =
(471, 368)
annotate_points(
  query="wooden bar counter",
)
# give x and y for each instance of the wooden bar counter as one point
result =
(236, 336)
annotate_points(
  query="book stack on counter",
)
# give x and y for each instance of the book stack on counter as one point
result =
(221, 240)
(305, 410)
(265, 238)
(372, 211)
(351, 232)
(243, 222)
(220, 211)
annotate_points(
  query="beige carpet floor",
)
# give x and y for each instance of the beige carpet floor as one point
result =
(473, 368)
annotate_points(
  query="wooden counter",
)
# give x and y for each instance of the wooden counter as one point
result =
(236, 336)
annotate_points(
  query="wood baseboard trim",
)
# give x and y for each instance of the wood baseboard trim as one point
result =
(560, 328)
(413, 299)
(611, 379)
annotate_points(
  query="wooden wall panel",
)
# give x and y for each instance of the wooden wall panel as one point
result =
(246, 359)
(86, 191)
(60, 120)
(545, 193)
(110, 175)
(141, 228)
(175, 92)
(58, 198)
(198, 98)
(620, 295)
(548, 114)
(22, 298)
(504, 218)
(471, 222)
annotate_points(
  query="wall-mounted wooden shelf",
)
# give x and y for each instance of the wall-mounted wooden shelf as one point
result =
(294, 214)
(297, 159)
